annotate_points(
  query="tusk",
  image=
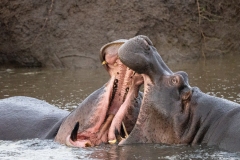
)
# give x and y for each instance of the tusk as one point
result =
(125, 130)
(118, 136)
(104, 62)
(112, 141)
(68, 142)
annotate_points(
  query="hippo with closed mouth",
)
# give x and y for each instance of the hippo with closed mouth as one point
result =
(111, 109)
(173, 112)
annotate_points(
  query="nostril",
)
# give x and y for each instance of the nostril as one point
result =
(141, 41)
(146, 46)
(145, 42)
(149, 42)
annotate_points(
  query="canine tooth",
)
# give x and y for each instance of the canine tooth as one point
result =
(125, 130)
(112, 141)
(118, 136)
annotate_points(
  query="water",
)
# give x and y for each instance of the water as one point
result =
(67, 88)
(46, 149)
(63, 88)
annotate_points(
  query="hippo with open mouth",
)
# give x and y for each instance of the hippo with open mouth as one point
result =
(173, 112)
(109, 110)
(105, 116)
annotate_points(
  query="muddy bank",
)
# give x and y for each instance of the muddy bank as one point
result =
(69, 34)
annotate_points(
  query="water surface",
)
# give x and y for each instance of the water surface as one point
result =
(67, 88)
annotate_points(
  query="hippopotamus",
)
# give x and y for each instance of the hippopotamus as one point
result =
(111, 109)
(173, 112)
(27, 118)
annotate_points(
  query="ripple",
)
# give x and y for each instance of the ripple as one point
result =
(38, 150)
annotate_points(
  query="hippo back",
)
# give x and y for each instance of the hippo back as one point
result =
(26, 118)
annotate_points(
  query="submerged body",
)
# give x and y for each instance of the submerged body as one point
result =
(172, 111)
(26, 118)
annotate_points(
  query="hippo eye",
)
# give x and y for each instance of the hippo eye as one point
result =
(174, 80)
(147, 47)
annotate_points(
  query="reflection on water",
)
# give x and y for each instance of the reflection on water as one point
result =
(67, 88)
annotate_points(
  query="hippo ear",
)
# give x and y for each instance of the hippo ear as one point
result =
(74, 132)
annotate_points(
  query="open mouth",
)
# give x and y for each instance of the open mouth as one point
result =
(118, 107)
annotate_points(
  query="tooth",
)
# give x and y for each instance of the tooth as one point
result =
(104, 62)
(125, 130)
(112, 141)
(118, 136)
(88, 144)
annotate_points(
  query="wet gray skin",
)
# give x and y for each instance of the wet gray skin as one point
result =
(27, 118)
(172, 112)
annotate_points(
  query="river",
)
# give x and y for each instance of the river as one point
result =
(67, 88)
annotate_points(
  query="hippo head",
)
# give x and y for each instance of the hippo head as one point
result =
(111, 109)
(165, 105)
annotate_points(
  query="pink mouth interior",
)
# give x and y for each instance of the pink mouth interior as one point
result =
(119, 93)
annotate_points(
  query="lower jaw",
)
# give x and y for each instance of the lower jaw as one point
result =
(91, 143)
(89, 139)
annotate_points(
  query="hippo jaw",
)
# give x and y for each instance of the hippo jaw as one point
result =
(114, 106)
(165, 105)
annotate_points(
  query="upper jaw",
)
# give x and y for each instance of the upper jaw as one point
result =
(131, 54)
(102, 53)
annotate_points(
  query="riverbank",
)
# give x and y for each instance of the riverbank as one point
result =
(69, 34)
